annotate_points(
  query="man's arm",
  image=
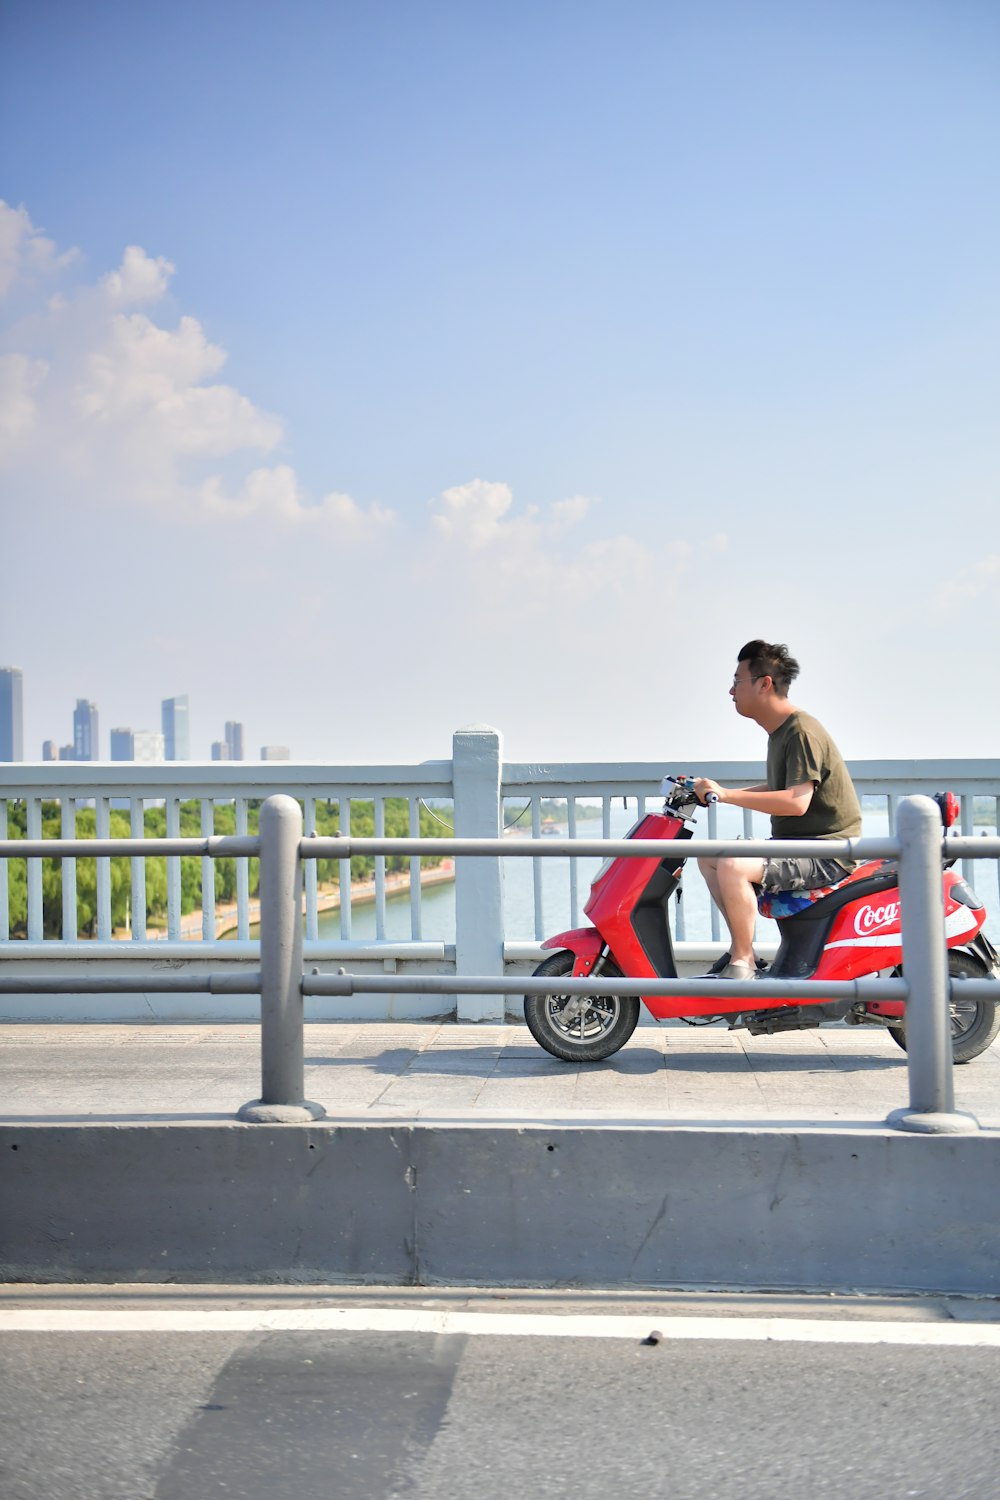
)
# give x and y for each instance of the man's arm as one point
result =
(792, 802)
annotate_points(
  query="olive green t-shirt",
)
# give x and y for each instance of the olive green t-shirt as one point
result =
(801, 750)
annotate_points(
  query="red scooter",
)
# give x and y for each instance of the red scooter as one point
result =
(851, 930)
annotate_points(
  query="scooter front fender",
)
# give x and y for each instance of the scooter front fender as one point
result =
(585, 944)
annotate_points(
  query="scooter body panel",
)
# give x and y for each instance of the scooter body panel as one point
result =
(628, 903)
(585, 944)
(865, 936)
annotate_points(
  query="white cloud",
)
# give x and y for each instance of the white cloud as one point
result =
(350, 519)
(102, 403)
(105, 403)
(472, 513)
(275, 494)
(569, 512)
(139, 278)
(149, 379)
(623, 561)
(528, 559)
(969, 583)
(20, 377)
(24, 252)
(140, 362)
(478, 516)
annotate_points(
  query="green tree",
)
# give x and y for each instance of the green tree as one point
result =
(155, 826)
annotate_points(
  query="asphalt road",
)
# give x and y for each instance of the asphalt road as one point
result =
(369, 1416)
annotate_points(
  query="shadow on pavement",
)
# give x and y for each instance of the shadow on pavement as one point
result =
(483, 1062)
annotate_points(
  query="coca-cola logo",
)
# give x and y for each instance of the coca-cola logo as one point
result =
(870, 918)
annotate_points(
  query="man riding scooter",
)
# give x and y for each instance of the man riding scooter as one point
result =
(808, 794)
(838, 922)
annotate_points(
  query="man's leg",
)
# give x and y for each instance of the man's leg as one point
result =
(731, 884)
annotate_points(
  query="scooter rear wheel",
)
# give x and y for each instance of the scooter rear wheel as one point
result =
(975, 1024)
(579, 1028)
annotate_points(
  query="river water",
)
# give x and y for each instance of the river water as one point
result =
(438, 902)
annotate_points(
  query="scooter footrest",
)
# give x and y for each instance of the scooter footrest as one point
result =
(767, 1022)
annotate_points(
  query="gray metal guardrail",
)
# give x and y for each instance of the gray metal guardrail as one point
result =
(920, 846)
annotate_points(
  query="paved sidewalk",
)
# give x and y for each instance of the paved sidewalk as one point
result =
(377, 1071)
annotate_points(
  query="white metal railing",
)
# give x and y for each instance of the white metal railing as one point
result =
(475, 793)
(218, 791)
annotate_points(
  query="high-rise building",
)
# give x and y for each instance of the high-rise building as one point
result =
(121, 744)
(220, 750)
(66, 752)
(142, 745)
(234, 739)
(275, 752)
(147, 746)
(176, 728)
(11, 714)
(86, 732)
(50, 750)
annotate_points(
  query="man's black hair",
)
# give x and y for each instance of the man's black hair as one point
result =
(774, 661)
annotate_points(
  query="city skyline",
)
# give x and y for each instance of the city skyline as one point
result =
(170, 742)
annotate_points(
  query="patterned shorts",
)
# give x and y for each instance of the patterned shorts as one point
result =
(801, 874)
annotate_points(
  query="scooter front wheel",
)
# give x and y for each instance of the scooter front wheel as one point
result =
(580, 1028)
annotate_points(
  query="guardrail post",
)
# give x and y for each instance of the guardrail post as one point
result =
(476, 761)
(925, 964)
(281, 1028)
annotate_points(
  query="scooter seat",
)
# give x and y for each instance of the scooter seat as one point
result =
(779, 904)
(782, 904)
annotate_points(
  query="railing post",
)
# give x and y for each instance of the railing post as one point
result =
(281, 1027)
(925, 964)
(476, 763)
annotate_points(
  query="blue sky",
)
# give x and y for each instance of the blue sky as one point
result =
(509, 363)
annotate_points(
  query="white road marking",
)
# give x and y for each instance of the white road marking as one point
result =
(530, 1325)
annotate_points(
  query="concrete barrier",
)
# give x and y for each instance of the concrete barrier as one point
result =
(500, 1205)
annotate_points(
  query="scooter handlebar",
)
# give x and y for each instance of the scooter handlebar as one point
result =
(687, 782)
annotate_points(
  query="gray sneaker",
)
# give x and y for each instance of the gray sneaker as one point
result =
(740, 971)
(722, 965)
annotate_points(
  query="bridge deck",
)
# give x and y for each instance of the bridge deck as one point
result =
(368, 1072)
